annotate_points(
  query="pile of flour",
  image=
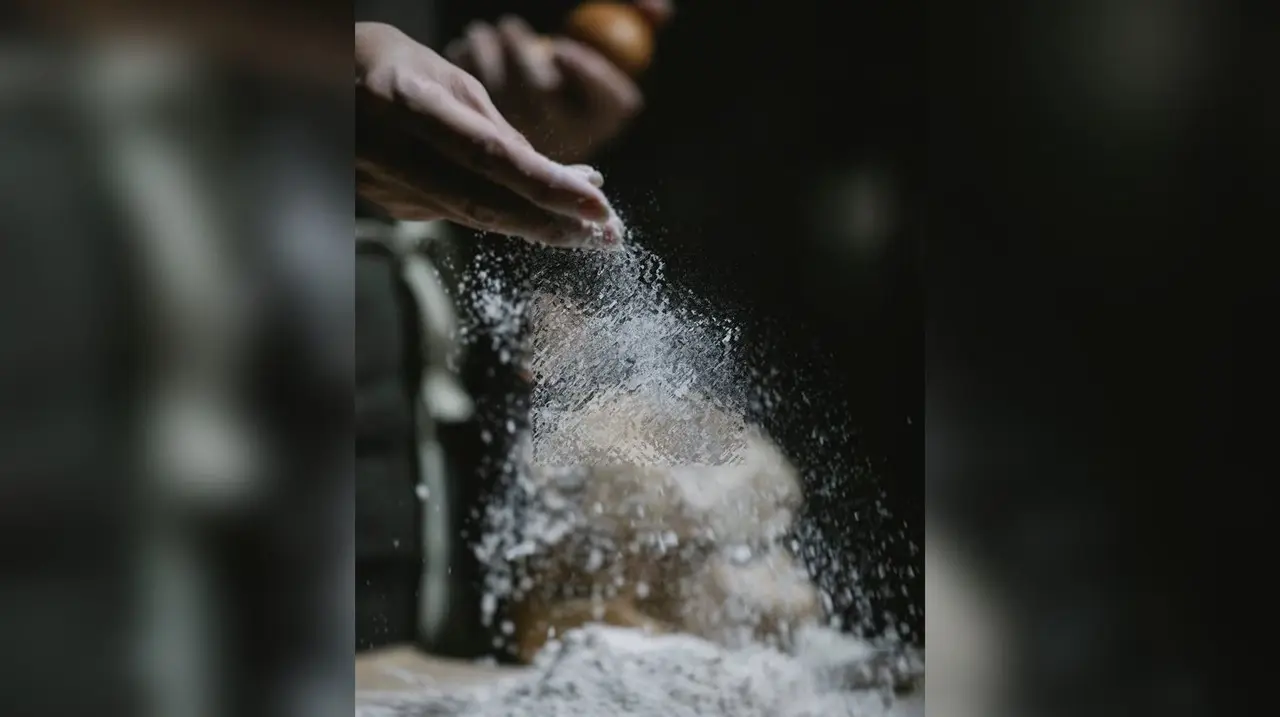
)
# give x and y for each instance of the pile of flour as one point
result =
(613, 672)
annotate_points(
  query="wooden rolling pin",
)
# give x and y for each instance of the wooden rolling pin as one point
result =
(616, 30)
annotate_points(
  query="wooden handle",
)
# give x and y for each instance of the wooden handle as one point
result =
(616, 30)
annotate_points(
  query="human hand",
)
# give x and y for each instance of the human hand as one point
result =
(658, 12)
(563, 95)
(431, 145)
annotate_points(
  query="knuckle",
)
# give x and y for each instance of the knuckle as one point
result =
(631, 104)
(380, 80)
(469, 88)
(418, 89)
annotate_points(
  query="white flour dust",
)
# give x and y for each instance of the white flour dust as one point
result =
(612, 672)
(625, 369)
(628, 371)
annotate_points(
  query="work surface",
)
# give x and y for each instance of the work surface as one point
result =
(403, 669)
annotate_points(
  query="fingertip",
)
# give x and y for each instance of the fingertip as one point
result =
(453, 50)
(481, 32)
(531, 52)
(477, 30)
(612, 233)
(515, 23)
(556, 187)
(564, 47)
(630, 101)
(564, 232)
(591, 203)
(591, 173)
(544, 48)
(606, 235)
(657, 12)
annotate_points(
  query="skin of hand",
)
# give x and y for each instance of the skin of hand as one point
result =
(566, 97)
(430, 144)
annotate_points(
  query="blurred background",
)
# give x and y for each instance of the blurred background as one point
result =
(176, 362)
(1081, 189)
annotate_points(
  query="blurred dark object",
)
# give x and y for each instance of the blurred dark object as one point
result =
(161, 563)
(387, 511)
(616, 30)
(70, 369)
(1098, 365)
(294, 43)
(416, 576)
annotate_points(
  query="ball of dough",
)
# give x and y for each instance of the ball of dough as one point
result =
(764, 599)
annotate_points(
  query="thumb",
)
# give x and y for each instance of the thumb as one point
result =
(657, 12)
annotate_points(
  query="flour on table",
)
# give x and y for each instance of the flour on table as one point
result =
(614, 672)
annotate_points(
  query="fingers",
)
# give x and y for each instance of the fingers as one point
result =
(591, 173)
(398, 201)
(406, 194)
(429, 141)
(471, 92)
(427, 186)
(529, 55)
(480, 52)
(466, 137)
(604, 86)
(658, 12)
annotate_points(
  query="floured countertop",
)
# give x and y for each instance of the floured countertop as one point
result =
(398, 669)
(613, 672)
